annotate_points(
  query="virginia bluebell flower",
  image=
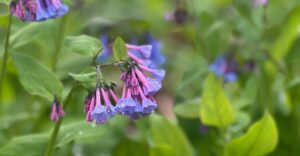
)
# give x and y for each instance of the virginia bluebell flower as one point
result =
(98, 105)
(226, 67)
(56, 111)
(260, 3)
(37, 10)
(156, 56)
(107, 49)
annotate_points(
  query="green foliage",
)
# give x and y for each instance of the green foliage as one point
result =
(84, 45)
(87, 77)
(260, 139)
(4, 20)
(188, 109)
(36, 78)
(166, 135)
(119, 49)
(215, 108)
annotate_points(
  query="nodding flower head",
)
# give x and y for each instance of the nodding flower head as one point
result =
(260, 3)
(225, 66)
(137, 98)
(56, 111)
(98, 104)
(37, 10)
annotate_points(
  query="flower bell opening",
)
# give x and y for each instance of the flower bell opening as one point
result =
(57, 111)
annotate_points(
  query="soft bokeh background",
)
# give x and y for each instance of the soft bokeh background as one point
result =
(267, 37)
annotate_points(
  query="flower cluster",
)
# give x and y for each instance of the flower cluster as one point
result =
(225, 66)
(142, 79)
(37, 10)
(57, 111)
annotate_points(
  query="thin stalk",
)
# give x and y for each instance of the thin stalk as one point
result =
(5, 56)
(58, 46)
(55, 131)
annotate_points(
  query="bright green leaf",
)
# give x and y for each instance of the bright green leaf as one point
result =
(248, 94)
(260, 139)
(119, 49)
(164, 132)
(84, 45)
(162, 150)
(36, 78)
(215, 108)
(288, 35)
(188, 109)
(5, 1)
(4, 20)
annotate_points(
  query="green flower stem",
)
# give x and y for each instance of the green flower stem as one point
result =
(51, 143)
(58, 43)
(54, 134)
(5, 56)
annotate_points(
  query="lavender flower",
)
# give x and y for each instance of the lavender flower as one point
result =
(57, 111)
(37, 10)
(225, 67)
(260, 3)
(98, 105)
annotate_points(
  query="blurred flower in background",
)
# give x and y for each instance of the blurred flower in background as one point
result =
(260, 2)
(37, 10)
(225, 66)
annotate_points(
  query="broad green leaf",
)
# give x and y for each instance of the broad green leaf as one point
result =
(119, 49)
(215, 108)
(84, 45)
(289, 34)
(28, 33)
(161, 150)
(166, 133)
(188, 109)
(242, 121)
(29, 145)
(4, 18)
(9, 120)
(36, 78)
(132, 147)
(248, 94)
(260, 139)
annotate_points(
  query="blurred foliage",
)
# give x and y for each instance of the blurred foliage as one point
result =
(257, 115)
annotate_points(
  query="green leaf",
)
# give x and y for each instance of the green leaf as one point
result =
(289, 34)
(28, 34)
(29, 145)
(4, 20)
(248, 93)
(188, 109)
(260, 139)
(120, 50)
(215, 108)
(166, 133)
(7, 2)
(84, 45)
(161, 150)
(36, 78)
(87, 77)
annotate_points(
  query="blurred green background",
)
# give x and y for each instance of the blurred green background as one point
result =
(264, 101)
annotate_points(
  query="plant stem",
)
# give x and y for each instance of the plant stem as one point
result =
(5, 56)
(55, 131)
(61, 30)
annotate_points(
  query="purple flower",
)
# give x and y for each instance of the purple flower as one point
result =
(156, 57)
(260, 3)
(226, 67)
(107, 50)
(57, 111)
(37, 10)
(98, 106)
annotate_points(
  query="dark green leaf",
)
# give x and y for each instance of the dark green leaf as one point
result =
(260, 139)
(36, 78)
(119, 49)
(215, 108)
(84, 45)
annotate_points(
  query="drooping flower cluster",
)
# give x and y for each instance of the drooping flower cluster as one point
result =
(99, 104)
(225, 66)
(142, 79)
(37, 10)
(56, 111)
